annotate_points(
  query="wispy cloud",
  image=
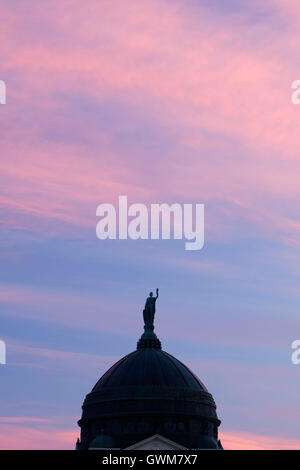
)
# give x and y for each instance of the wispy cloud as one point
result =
(13, 437)
(235, 440)
(17, 437)
(220, 106)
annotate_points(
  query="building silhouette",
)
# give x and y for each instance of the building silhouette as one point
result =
(149, 400)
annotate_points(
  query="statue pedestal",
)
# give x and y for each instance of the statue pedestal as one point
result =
(149, 339)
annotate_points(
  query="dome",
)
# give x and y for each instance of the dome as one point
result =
(149, 367)
(146, 393)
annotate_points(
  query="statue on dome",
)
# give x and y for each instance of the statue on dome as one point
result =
(149, 310)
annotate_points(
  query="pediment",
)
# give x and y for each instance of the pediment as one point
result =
(156, 442)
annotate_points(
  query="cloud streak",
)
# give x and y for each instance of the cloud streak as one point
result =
(207, 87)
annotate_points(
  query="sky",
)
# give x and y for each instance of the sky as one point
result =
(164, 101)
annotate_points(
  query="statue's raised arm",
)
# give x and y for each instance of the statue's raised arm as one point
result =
(157, 293)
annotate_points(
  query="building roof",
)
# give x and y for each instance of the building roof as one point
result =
(149, 392)
(149, 367)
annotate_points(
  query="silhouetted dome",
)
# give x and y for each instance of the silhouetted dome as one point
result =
(149, 367)
(149, 392)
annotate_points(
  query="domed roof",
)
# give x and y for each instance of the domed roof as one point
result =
(149, 367)
(149, 392)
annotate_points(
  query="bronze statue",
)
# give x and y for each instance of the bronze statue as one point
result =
(149, 310)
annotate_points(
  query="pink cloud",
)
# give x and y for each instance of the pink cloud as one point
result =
(22, 419)
(186, 70)
(236, 440)
(17, 437)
